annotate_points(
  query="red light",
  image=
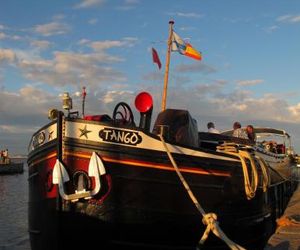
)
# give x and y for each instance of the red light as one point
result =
(143, 102)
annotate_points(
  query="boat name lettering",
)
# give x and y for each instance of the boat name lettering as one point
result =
(120, 136)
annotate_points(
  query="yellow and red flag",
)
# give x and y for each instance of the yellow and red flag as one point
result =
(184, 48)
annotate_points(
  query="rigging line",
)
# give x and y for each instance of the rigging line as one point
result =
(209, 219)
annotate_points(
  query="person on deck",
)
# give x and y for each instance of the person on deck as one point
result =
(5, 156)
(238, 131)
(211, 128)
(251, 133)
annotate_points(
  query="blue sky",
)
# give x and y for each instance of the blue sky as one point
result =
(249, 71)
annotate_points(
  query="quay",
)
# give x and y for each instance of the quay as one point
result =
(287, 235)
(11, 168)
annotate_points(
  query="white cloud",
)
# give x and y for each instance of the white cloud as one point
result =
(271, 28)
(7, 55)
(112, 96)
(289, 19)
(295, 111)
(2, 35)
(40, 44)
(128, 5)
(103, 45)
(186, 14)
(53, 28)
(11, 37)
(68, 68)
(89, 3)
(16, 129)
(83, 41)
(93, 21)
(249, 82)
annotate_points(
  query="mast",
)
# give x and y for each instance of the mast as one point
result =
(164, 97)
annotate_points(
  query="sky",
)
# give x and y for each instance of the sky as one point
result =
(249, 71)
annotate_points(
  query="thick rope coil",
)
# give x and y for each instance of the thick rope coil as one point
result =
(210, 219)
(264, 169)
(250, 186)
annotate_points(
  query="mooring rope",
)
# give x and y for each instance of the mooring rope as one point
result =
(250, 186)
(209, 219)
(264, 169)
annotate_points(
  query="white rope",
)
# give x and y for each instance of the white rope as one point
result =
(210, 219)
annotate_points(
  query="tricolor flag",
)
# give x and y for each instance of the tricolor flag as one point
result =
(155, 58)
(184, 48)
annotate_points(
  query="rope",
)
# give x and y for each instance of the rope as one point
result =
(250, 186)
(209, 219)
(264, 169)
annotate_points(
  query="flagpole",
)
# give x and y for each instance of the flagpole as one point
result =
(164, 97)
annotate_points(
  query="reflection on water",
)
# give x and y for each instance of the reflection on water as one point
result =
(13, 211)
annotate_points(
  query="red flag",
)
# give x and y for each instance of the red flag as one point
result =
(155, 58)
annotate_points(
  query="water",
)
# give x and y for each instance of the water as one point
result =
(13, 211)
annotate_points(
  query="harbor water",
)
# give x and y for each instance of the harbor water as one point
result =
(13, 211)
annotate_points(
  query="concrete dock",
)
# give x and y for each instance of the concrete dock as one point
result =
(287, 235)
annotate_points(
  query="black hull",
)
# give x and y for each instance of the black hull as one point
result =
(70, 229)
(142, 203)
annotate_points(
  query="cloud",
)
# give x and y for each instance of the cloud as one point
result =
(26, 110)
(40, 44)
(128, 5)
(67, 68)
(53, 28)
(295, 111)
(22, 113)
(289, 19)
(195, 68)
(210, 89)
(153, 76)
(25, 106)
(249, 82)
(103, 45)
(113, 95)
(11, 37)
(271, 28)
(2, 35)
(89, 4)
(93, 21)
(7, 55)
(186, 14)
